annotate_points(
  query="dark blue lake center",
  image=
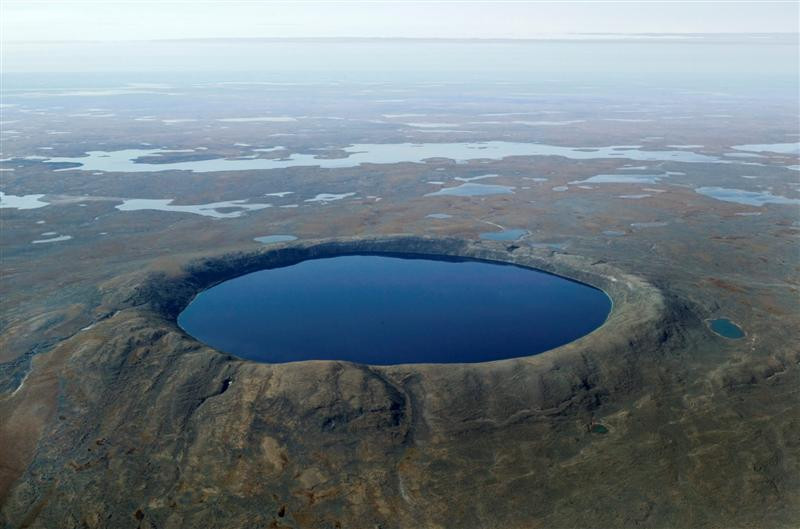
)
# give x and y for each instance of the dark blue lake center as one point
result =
(726, 328)
(394, 310)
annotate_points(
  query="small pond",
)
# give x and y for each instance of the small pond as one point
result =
(726, 328)
(505, 235)
(272, 239)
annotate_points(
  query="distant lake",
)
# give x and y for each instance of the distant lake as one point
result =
(505, 235)
(150, 160)
(271, 239)
(748, 198)
(392, 310)
(472, 190)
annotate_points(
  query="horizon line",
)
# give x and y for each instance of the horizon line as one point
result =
(540, 37)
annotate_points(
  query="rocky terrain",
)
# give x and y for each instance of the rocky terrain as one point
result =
(676, 195)
(147, 428)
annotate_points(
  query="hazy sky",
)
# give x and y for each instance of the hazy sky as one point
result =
(25, 20)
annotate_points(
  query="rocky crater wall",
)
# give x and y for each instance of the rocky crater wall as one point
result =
(153, 427)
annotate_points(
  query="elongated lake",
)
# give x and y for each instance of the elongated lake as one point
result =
(149, 160)
(394, 310)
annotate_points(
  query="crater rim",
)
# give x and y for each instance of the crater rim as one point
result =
(635, 303)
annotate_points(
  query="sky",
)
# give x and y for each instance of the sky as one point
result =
(162, 36)
(117, 20)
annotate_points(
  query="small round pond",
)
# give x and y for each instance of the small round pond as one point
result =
(726, 328)
(388, 309)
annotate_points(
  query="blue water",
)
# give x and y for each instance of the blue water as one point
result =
(748, 198)
(472, 190)
(621, 179)
(726, 328)
(271, 239)
(393, 310)
(128, 160)
(505, 235)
